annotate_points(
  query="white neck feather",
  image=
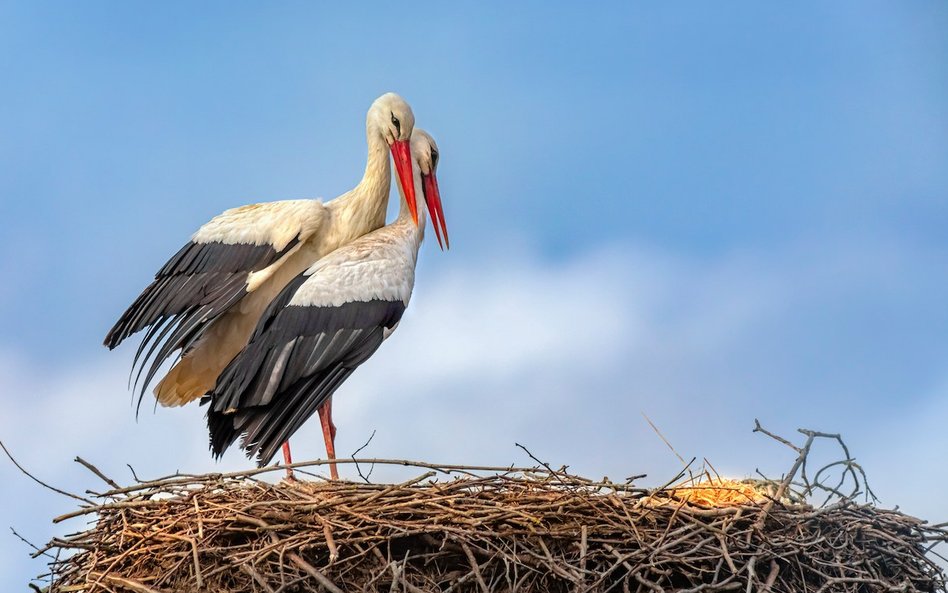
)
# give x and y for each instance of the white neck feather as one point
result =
(364, 206)
(378, 173)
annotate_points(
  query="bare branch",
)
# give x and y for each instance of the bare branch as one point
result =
(40, 482)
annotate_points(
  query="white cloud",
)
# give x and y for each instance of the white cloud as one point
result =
(562, 357)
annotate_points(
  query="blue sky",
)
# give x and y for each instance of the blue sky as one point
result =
(705, 213)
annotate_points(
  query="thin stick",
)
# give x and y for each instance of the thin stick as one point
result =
(311, 571)
(40, 482)
(357, 451)
(96, 471)
(661, 436)
(32, 545)
(546, 465)
(445, 468)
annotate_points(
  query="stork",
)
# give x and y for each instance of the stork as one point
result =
(207, 299)
(322, 326)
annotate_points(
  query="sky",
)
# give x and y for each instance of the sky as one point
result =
(703, 214)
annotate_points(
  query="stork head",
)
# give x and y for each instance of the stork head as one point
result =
(391, 118)
(424, 151)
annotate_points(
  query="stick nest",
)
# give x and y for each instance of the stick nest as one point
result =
(527, 530)
(484, 529)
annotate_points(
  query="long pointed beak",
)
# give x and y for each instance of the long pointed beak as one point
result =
(401, 154)
(433, 200)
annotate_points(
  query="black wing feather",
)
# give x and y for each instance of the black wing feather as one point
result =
(297, 358)
(195, 287)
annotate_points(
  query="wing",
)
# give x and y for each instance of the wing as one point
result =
(210, 274)
(305, 346)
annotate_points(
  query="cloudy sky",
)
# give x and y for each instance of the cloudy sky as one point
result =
(707, 215)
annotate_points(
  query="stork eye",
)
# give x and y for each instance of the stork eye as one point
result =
(398, 125)
(434, 158)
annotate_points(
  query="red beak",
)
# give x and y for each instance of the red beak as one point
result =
(401, 154)
(433, 200)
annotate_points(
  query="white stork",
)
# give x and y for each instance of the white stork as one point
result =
(322, 326)
(207, 299)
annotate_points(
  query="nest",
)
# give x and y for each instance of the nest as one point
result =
(457, 528)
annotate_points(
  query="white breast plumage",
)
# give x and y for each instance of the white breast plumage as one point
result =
(386, 274)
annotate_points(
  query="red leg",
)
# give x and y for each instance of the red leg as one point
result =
(329, 435)
(332, 425)
(288, 460)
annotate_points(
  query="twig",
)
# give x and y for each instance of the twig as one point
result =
(30, 544)
(661, 436)
(40, 482)
(256, 576)
(358, 467)
(475, 567)
(444, 468)
(546, 465)
(96, 471)
(311, 571)
(130, 584)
